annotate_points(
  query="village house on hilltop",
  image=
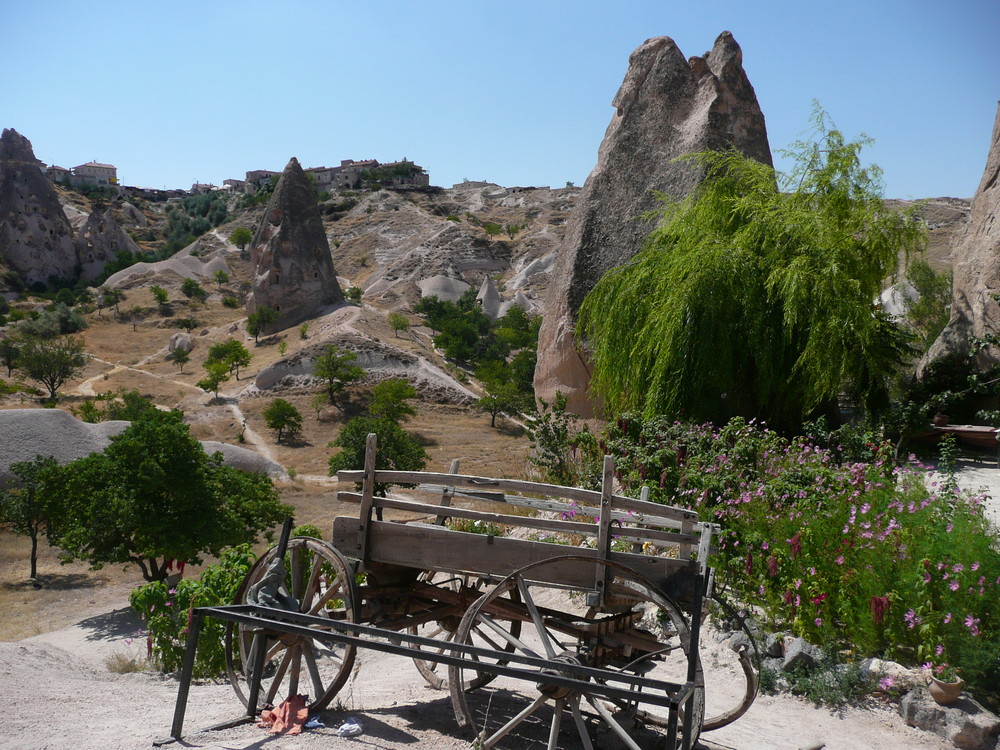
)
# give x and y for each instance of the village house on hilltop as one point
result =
(349, 175)
(91, 173)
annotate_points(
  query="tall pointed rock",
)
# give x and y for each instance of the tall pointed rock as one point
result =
(294, 268)
(36, 239)
(667, 106)
(100, 240)
(975, 259)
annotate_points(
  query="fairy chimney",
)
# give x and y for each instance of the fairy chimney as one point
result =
(36, 239)
(667, 106)
(294, 268)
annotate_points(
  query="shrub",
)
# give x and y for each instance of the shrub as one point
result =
(230, 301)
(166, 612)
(864, 556)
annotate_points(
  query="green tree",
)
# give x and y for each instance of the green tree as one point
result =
(217, 374)
(930, 310)
(159, 294)
(503, 399)
(232, 353)
(756, 295)
(221, 277)
(10, 353)
(336, 368)
(511, 230)
(258, 321)
(192, 289)
(282, 416)
(111, 298)
(181, 358)
(492, 229)
(389, 400)
(241, 237)
(52, 362)
(304, 331)
(398, 322)
(353, 294)
(397, 450)
(154, 496)
(22, 508)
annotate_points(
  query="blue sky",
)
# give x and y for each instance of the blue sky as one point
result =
(517, 93)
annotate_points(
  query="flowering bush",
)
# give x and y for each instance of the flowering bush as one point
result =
(864, 556)
(167, 613)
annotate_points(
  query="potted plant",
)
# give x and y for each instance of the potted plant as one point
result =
(939, 404)
(944, 684)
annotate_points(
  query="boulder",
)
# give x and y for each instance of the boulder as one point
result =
(180, 340)
(976, 267)
(294, 269)
(667, 106)
(800, 651)
(36, 239)
(965, 724)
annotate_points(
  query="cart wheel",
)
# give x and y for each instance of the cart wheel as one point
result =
(321, 580)
(444, 629)
(654, 645)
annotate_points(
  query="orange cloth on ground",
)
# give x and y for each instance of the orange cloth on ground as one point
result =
(287, 717)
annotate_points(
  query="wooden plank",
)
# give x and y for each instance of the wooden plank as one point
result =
(429, 547)
(661, 539)
(589, 497)
(604, 529)
(447, 493)
(367, 493)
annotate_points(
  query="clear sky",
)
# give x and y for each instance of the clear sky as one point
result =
(513, 92)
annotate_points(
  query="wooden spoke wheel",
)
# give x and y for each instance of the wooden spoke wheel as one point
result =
(642, 632)
(444, 629)
(321, 581)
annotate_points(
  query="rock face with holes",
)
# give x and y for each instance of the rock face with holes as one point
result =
(667, 106)
(294, 269)
(36, 239)
(975, 258)
(99, 241)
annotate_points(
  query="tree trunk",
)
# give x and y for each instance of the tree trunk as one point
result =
(34, 555)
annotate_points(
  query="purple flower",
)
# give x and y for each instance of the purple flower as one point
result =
(974, 566)
(886, 682)
(953, 585)
(947, 619)
(939, 650)
(819, 622)
(957, 567)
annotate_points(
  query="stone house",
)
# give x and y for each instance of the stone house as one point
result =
(58, 174)
(94, 173)
(257, 178)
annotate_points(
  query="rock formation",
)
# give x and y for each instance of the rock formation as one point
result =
(54, 432)
(976, 266)
(99, 241)
(294, 268)
(36, 239)
(666, 107)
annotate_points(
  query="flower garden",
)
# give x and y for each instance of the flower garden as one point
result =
(865, 556)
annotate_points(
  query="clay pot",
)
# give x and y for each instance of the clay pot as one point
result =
(944, 693)
(940, 420)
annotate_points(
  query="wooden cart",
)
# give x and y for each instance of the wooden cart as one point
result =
(586, 598)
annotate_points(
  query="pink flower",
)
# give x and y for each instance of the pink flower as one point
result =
(886, 682)
(819, 622)
(953, 586)
(939, 650)
(947, 618)
(974, 566)
(972, 623)
(957, 567)
(839, 560)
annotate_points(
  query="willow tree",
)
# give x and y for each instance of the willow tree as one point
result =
(757, 295)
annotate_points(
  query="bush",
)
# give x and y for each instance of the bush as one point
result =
(167, 611)
(230, 301)
(857, 555)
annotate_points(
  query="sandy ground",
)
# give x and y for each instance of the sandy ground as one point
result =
(58, 693)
